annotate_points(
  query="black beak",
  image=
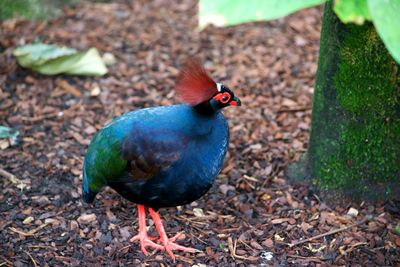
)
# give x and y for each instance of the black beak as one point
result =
(235, 102)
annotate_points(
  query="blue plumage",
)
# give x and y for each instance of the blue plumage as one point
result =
(163, 156)
(158, 157)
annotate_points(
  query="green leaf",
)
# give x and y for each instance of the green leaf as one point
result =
(6, 132)
(397, 229)
(37, 54)
(355, 11)
(83, 63)
(52, 60)
(386, 18)
(232, 12)
(10, 134)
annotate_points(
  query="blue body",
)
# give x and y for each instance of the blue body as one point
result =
(157, 157)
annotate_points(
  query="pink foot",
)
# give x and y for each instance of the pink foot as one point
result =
(144, 239)
(168, 243)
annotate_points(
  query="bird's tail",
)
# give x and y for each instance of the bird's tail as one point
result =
(87, 194)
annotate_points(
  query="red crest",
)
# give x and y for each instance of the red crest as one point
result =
(194, 85)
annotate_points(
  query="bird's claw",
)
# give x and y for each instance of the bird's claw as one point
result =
(146, 241)
(169, 245)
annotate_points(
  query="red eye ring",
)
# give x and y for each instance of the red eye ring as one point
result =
(225, 97)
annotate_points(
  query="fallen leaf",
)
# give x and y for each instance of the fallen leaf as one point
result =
(95, 91)
(109, 59)
(12, 137)
(124, 232)
(52, 60)
(352, 212)
(280, 220)
(268, 243)
(278, 237)
(63, 84)
(28, 220)
(255, 245)
(224, 188)
(86, 218)
(198, 212)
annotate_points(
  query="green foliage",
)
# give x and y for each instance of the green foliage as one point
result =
(51, 60)
(386, 18)
(32, 9)
(36, 9)
(355, 11)
(231, 12)
(384, 14)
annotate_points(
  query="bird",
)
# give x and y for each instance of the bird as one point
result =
(163, 156)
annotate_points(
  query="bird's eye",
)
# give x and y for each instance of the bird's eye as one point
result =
(225, 98)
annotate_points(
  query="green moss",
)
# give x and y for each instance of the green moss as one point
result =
(366, 78)
(354, 147)
(368, 159)
(369, 143)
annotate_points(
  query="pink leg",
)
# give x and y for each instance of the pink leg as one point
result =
(142, 236)
(168, 243)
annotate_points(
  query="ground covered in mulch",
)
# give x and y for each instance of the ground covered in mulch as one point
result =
(251, 216)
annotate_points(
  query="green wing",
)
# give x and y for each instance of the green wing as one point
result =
(103, 160)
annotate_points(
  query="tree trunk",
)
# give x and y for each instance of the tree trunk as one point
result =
(354, 147)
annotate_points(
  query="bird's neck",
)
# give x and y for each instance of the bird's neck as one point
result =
(207, 108)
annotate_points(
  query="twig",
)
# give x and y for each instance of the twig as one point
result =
(123, 248)
(246, 245)
(356, 245)
(250, 178)
(181, 258)
(180, 218)
(13, 179)
(58, 114)
(345, 252)
(199, 239)
(9, 263)
(247, 182)
(295, 243)
(42, 117)
(41, 246)
(30, 232)
(8, 176)
(230, 230)
(63, 258)
(232, 249)
(32, 259)
(315, 259)
(378, 248)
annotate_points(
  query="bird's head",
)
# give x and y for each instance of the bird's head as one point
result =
(195, 87)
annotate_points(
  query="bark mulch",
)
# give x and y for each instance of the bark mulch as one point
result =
(251, 217)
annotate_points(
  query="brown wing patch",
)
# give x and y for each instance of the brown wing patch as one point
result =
(149, 152)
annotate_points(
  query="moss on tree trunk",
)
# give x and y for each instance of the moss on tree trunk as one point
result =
(354, 147)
